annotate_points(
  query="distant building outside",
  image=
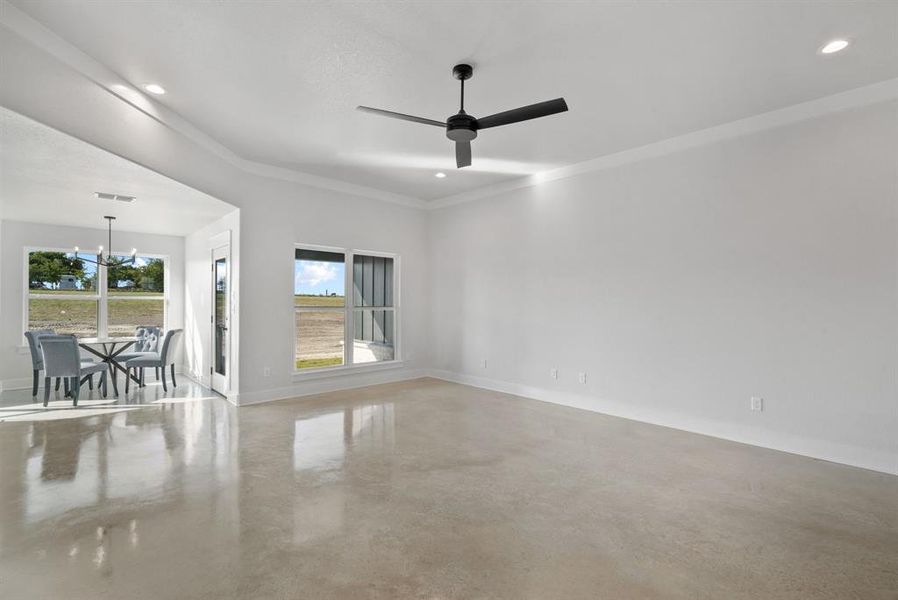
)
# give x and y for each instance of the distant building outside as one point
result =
(68, 282)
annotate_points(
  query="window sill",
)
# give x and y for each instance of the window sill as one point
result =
(310, 374)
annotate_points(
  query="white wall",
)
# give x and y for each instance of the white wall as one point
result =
(15, 361)
(198, 349)
(684, 285)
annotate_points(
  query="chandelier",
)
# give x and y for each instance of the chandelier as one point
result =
(108, 260)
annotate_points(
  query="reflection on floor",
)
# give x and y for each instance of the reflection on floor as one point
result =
(425, 489)
(19, 405)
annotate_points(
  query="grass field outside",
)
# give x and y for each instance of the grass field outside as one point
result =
(317, 363)
(126, 311)
(330, 301)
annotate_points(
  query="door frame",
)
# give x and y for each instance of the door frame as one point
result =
(220, 384)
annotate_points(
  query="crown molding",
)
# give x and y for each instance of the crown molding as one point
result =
(100, 75)
(882, 91)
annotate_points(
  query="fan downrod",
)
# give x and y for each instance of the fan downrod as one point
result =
(461, 127)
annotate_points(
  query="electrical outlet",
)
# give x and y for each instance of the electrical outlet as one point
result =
(582, 378)
(266, 372)
(553, 373)
(757, 403)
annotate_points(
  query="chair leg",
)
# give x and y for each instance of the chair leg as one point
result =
(34, 384)
(142, 384)
(173, 382)
(76, 390)
(90, 381)
(47, 382)
(164, 388)
(103, 384)
(112, 377)
(127, 379)
(57, 384)
(157, 373)
(67, 385)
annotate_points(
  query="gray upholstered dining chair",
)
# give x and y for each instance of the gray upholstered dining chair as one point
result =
(37, 359)
(166, 357)
(62, 358)
(147, 345)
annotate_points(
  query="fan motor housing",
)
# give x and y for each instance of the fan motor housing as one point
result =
(462, 71)
(461, 128)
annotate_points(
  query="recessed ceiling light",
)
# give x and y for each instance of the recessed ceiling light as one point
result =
(154, 88)
(834, 46)
(440, 175)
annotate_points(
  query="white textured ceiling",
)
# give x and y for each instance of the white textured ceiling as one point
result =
(49, 177)
(278, 82)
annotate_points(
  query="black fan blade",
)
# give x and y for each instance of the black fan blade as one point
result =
(462, 154)
(396, 115)
(525, 113)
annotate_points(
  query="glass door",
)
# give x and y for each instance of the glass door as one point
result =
(220, 318)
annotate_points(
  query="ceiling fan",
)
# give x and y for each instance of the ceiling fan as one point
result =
(462, 127)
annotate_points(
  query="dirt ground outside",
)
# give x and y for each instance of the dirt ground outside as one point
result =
(319, 335)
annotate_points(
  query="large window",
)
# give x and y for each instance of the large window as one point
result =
(71, 295)
(334, 328)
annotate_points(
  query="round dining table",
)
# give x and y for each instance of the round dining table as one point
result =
(107, 349)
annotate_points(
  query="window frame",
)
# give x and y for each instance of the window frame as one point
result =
(349, 311)
(101, 296)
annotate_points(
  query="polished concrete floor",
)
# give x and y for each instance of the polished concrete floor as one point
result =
(424, 490)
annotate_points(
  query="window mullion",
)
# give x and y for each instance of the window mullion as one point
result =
(64, 296)
(166, 291)
(102, 307)
(348, 312)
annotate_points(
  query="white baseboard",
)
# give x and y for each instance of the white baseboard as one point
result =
(813, 448)
(334, 384)
(19, 383)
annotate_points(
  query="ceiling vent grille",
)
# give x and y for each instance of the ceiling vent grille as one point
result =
(117, 197)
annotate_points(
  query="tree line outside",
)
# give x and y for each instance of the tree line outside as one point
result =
(46, 270)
